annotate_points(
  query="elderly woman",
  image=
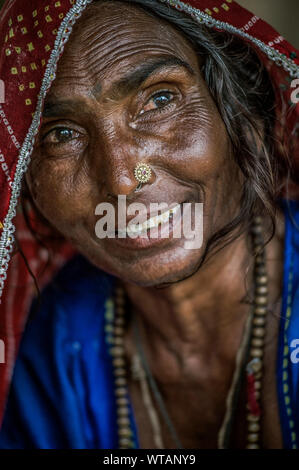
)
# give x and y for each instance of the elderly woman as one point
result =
(141, 341)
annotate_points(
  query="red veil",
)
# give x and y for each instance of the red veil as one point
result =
(33, 35)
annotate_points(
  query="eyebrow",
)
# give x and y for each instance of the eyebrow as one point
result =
(58, 108)
(136, 77)
(121, 88)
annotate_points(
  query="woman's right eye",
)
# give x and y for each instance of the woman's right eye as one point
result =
(60, 135)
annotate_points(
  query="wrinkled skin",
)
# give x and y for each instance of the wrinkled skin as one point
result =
(185, 144)
(112, 126)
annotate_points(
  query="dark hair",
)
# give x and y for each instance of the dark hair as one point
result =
(242, 91)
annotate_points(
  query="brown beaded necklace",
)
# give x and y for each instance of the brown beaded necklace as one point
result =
(251, 348)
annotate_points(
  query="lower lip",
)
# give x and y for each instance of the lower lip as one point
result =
(155, 236)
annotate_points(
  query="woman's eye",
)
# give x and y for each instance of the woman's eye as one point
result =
(159, 100)
(60, 136)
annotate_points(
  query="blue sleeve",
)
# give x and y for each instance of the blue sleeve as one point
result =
(287, 370)
(62, 389)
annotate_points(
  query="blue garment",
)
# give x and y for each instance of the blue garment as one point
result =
(288, 352)
(62, 393)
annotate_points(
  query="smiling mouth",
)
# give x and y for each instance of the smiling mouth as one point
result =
(152, 222)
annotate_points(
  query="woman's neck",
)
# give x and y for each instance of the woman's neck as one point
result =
(181, 323)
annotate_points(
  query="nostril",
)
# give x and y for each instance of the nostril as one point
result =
(120, 183)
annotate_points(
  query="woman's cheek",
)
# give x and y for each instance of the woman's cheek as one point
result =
(58, 190)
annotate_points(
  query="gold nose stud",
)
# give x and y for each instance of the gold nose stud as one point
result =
(142, 173)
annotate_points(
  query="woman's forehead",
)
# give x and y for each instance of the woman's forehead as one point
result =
(117, 36)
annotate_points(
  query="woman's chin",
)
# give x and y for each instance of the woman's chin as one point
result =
(148, 268)
(157, 273)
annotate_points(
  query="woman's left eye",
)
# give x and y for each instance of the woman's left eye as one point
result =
(157, 101)
(60, 135)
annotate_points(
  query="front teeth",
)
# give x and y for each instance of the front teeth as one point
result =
(133, 229)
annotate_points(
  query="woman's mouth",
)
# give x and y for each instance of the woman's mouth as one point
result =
(133, 230)
(155, 230)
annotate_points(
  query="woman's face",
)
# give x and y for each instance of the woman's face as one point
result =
(129, 89)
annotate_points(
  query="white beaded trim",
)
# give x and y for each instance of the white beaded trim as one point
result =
(200, 17)
(7, 237)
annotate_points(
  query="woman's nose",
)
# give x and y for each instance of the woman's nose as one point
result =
(120, 177)
(118, 155)
(116, 170)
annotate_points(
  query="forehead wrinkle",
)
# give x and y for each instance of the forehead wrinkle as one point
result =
(71, 69)
(105, 23)
(122, 15)
(121, 34)
(117, 48)
(127, 39)
(98, 70)
(119, 51)
(107, 29)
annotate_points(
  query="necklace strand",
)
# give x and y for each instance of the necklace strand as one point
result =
(252, 347)
(139, 373)
(153, 385)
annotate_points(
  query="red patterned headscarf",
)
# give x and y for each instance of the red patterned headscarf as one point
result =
(32, 35)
